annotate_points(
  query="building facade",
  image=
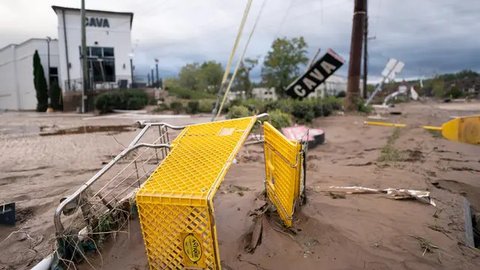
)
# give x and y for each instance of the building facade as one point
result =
(17, 91)
(108, 36)
(109, 48)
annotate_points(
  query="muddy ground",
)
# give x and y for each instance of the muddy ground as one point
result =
(367, 231)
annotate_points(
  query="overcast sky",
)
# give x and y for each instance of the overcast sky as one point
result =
(431, 37)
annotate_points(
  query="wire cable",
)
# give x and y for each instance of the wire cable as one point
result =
(230, 83)
(232, 54)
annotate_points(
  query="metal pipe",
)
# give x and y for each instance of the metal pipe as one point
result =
(143, 123)
(57, 217)
(66, 49)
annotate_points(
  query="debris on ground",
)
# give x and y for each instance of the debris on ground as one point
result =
(395, 193)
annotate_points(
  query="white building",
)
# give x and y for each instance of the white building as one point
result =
(16, 72)
(108, 37)
(331, 87)
(264, 93)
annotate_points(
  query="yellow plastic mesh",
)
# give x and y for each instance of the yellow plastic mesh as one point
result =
(283, 170)
(176, 200)
(469, 129)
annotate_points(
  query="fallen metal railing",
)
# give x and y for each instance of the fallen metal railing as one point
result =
(124, 180)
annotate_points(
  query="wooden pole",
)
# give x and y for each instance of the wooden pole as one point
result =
(351, 100)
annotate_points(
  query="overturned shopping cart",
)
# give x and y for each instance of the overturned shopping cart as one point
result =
(173, 183)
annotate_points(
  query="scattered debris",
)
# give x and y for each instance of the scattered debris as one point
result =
(7, 214)
(426, 245)
(360, 164)
(337, 195)
(397, 194)
(440, 229)
(90, 129)
(256, 236)
(313, 136)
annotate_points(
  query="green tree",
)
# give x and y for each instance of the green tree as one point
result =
(283, 62)
(40, 83)
(210, 76)
(242, 81)
(202, 77)
(188, 76)
(438, 87)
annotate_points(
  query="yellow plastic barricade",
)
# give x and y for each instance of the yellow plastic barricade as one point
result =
(176, 203)
(464, 129)
(283, 171)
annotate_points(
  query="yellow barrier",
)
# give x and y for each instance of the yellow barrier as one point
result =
(384, 124)
(283, 170)
(176, 203)
(461, 129)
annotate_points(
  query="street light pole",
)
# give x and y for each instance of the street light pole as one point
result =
(153, 78)
(131, 70)
(84, 55)
(157, 83)
(48, 73)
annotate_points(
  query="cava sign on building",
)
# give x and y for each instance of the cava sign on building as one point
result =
(316, 75)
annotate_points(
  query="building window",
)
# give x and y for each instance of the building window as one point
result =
(101, 64)
(53, 75)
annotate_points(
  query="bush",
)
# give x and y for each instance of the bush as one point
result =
(161, 107)
(176, 107)
(341, 94)
(238, 112)
(123, 99)
(454, 92)
(303, 110)
(280, 119)
(193, 107)
(206, 105)
(56, 97)
(255, 105)
(364, 108)
(184, 93)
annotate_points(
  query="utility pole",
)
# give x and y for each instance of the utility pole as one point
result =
(148, 79)
(84, 56)
(351, 101)
(365, 52)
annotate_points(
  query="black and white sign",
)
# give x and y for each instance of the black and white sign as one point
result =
(316, 75)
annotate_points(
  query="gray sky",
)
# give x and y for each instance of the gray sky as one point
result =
(430, 36)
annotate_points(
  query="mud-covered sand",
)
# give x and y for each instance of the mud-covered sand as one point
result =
(367, 231)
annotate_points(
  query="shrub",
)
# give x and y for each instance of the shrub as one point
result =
(123, 99)
(303, 110)
(206, 105)
(176, 107)
(56, 97)
(454, 92)
(284, 104)
(280, 119)
(187, 93)
(135, 103)
(341, 94)
(160, 107)
(255, 105)
(238, 112)
(193, 107)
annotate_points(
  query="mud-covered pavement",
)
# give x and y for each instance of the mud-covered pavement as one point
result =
(365, 231)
